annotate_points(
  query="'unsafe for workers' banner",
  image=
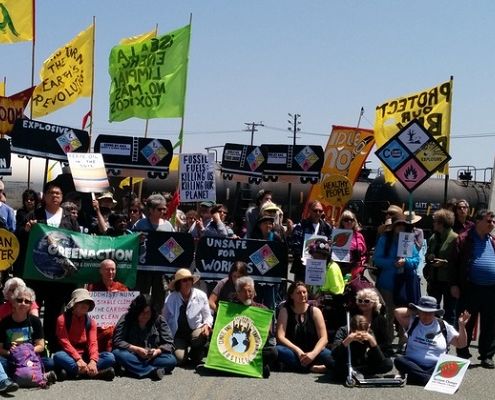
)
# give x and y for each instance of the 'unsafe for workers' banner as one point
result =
(55, 254)
(16, 20)
(66, 75)
(239, 334)
(431, 107)
(149, 77)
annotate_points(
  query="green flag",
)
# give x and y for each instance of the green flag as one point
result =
(149, 78)
(60, 255)
(238, 338)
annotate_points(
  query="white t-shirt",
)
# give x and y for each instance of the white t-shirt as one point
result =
(427, 343)
(54, 219)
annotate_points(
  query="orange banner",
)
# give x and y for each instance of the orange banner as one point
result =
(345, 154)
(12, 108)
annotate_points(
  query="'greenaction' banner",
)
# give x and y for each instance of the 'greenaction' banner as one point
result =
(60, 255)
(238, 338)
(149, 77)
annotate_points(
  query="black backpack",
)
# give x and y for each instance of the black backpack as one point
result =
(441, 322)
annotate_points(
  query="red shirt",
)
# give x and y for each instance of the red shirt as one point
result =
(6, 309)
(75, 342)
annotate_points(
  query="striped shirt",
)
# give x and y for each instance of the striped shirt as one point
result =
(482, 271)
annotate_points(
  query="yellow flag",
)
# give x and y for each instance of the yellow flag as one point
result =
(16, 20)
(432, 107)
(139, 38)
(2, 89)
(66, 75)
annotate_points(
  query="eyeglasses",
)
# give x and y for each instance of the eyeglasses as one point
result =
(347, 220)
(23, 301)
(134, 210)
(317, 210)
(364, 301)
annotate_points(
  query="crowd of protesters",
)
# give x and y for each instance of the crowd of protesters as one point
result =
(170, 323)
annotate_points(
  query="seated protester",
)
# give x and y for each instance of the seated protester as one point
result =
(142, 341)
(21, 328)
(76, 333)
(8, 293)
(188, 315)
(225, 288)
(108, 269)
(217, 227)
(428, 338)
(117, 225)
(371, 346)
(301, 334)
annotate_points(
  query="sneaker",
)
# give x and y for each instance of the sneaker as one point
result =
(7, 386)
(61, 375)
(487, 363)
(157, 374)
(106, 374)
(266, 372)
(51, 377)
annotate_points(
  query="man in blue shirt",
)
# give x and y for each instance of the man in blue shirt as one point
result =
(473, 283)
(7, 216)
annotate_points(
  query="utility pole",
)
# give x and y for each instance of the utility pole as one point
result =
(251, 127)
(294, 121)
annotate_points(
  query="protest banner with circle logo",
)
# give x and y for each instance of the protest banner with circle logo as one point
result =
(336, 190)
(9, 249)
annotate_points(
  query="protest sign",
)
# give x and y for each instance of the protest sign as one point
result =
(88, 172)
(12, 109)
(406, 244)
(308, 239)
(9, 249)
(40, 139)
(110, 306)
(341, 244)
(5, 157)
(448, 374)
(197, 177)
(266, 260)
(239, 334)
(244, 163)
(315, 272)
(55, 254)
(165, 251)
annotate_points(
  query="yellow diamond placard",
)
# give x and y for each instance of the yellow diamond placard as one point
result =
(431, 155)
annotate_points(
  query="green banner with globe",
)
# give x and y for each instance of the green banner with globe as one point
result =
(239, 335)
(60, 255)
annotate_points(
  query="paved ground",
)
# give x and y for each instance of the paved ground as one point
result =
(187, 384)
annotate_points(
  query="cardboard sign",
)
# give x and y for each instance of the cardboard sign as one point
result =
(110, 306)
(197, 177)
(9, 249)
(448, 374)
(406, 244)
(88, 172)
(315, 272)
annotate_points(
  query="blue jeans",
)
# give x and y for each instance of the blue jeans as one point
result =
(63, 360)
(416, 374)
(141, 368)
(290, 359)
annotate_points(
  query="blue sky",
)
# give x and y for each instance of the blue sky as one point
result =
(259, 60)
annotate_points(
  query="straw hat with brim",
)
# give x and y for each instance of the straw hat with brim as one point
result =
(412, 217)
(269, 206)
(181, 274)
(399, 221)
(78, 296)
(107, 195)
(393, 210)
(427, 304)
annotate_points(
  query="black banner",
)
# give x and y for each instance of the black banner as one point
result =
(40, 139)
(135, 156)
(241, 160)
(5, 168)
(267, 261)
(165, 251)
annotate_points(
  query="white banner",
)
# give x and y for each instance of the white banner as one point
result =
(110, 306)
(197, 177)
(88, 172)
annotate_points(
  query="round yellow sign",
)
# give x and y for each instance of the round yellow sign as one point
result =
(9, 249)
(336, 190)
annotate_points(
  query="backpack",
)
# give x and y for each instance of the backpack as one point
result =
(28, 367)
(68, 322)
(441, 322)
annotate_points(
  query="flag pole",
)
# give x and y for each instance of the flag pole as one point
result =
(33, 51)
(181, 133)
(92, 85)
(447, 175)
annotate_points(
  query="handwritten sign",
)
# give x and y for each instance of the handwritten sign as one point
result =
(88, 172)
(336, 190)
(315, 272)
(197, 177)
(110, 306)
(406, 244)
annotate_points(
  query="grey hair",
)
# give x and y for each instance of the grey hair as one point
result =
(25, 290)
(243, 281)
(154, 201)
(17, 282)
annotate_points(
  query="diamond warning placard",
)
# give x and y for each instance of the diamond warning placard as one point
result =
(431, 156)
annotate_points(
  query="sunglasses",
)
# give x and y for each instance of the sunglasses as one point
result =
(364, 301)
(23, 301)
(134, 210)
(317, 210)
(347, 220)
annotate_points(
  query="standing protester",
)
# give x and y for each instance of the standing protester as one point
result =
(357, 250)
(253, 213)
(7, 215)
(314, 225)
(462, 222)
(473, 283)
(156, 207)
(53, 295)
